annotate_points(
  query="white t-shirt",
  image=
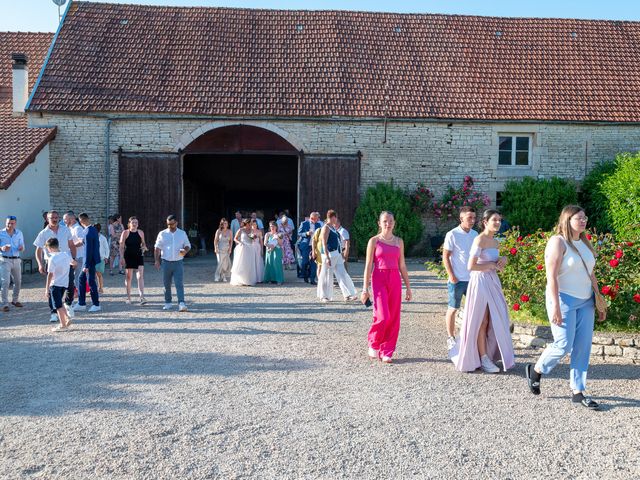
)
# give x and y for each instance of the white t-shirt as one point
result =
(459, 243)
(77, 235)
(171, 243)
(343, 233)
(59, 264)
(63, 236)
(104, 247)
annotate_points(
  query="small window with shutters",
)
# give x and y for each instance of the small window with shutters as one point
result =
(514, 150)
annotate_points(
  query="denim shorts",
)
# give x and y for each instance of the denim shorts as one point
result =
(56, 296)
(456, 291)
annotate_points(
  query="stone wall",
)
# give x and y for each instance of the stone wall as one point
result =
(618, 348)
(435, 153)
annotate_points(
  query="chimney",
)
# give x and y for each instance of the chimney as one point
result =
(20, 82)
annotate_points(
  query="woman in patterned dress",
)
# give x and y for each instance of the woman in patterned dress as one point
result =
(288, 258)
(115, 232)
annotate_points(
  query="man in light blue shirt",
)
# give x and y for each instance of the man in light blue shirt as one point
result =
(11, 244)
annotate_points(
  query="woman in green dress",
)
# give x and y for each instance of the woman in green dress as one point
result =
(273, 269)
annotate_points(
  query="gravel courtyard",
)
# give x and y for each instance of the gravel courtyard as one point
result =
(264, 382)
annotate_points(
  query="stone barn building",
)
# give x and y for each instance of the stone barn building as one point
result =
(203, 111)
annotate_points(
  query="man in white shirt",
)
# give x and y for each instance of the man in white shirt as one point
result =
(455, 256)
(62, 233)
(235, 224)
(11, 244)
(77, 236)
(171, 246)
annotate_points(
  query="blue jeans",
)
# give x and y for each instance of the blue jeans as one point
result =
(173, 270)
(456, 291)
(93, 287)
(572, 337)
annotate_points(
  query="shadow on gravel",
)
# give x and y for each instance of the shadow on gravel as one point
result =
(405, 361)
(200, 331)
(56, 376)
(606, 403)
(92, 320)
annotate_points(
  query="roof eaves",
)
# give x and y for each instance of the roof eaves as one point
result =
(29, 159)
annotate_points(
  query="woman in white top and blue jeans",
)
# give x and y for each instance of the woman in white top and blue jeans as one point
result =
(569, 259)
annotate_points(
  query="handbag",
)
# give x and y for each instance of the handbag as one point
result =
(601, 303)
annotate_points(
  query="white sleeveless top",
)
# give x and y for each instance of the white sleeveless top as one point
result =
(573, 278)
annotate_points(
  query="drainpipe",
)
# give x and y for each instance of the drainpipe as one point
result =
(107, 168)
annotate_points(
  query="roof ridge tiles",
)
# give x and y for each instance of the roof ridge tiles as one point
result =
(346, 11)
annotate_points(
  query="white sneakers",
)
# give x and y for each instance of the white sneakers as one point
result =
(83, 308)
(487, 365)
(53, 318)
(182, 307)
(70, 311)
(373, 353)
(451, 342)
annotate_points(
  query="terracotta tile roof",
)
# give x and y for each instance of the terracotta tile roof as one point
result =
(241, 62)
(19, 144)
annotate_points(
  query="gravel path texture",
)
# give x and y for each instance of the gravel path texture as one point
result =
(264, 382)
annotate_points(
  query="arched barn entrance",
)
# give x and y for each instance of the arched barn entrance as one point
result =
(236, 167)
(239, 167)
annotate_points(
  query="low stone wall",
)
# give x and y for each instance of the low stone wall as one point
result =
(610, 347)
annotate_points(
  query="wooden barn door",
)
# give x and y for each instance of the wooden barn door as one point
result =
(150, 189)
(330, 182)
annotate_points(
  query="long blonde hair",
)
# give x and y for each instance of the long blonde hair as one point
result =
(563, 228)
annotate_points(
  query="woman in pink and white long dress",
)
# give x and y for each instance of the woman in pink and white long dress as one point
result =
(243, 271)
(484, 335)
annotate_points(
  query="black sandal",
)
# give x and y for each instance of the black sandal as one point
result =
(585, 401)
(534, 386)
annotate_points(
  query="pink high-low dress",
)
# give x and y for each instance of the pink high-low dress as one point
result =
(386, 287)
(484, 291)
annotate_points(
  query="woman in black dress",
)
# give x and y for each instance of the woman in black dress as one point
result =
(132, 247)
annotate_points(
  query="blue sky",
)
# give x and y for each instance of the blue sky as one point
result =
(42, 15)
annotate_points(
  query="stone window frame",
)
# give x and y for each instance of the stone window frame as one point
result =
(514, 136)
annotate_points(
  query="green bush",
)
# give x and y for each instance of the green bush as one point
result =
(386, 196)
(621, 188)
(533, 204)
(593, 199)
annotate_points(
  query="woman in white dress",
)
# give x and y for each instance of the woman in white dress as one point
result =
(243, 271)
(257, 244)
(222, 242)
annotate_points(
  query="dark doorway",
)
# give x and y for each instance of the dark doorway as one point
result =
(217, 185)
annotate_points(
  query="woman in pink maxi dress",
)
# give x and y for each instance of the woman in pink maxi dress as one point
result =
(384, 266)
(288, 257)
(484, 335)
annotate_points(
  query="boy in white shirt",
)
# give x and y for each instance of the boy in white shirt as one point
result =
(58, 280)
(455, 256)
